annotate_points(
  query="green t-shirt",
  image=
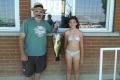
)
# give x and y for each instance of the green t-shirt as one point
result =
(36, 36)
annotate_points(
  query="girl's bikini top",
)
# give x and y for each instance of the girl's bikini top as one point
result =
(73, 37)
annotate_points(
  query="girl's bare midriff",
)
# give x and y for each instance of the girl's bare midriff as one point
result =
(73, 45)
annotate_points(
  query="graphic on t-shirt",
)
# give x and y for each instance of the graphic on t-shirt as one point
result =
(40, 31)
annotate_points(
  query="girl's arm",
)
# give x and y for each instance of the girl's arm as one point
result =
(65, 41)
(81, 48)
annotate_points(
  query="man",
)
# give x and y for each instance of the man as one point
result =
(49, 20)
(33, 43)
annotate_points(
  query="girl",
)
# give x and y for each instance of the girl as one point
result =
(73, 48)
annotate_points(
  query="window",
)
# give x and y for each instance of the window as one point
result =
(53, 7)
(9, 15)
(94, 15)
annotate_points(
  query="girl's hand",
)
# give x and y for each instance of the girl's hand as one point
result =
(81, 60)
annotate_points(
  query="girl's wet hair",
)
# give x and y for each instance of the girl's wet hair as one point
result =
(75, 18)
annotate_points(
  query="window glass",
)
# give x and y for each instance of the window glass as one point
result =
(9, 15)
(93, 15)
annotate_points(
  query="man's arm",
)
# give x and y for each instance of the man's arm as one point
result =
(23, 56)
(55, 25)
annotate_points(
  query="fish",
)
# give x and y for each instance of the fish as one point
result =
(57, 45)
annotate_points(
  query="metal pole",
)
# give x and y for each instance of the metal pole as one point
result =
(101, 63)
(115, 65)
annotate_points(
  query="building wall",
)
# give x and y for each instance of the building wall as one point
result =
(10, 55)
(117, 16)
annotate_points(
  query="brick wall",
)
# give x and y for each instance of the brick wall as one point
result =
(24, 9)
(92, 47)
(10, 55)
(117, 16)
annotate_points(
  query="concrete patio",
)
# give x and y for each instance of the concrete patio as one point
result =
(62, 77)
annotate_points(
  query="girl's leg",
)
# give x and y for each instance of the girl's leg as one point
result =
(76, 63)
(68, 66)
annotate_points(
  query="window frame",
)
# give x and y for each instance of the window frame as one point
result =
(16, 28)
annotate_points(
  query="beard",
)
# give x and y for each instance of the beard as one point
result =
(38, 16)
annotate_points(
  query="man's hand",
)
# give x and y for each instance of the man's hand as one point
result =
(24, 57)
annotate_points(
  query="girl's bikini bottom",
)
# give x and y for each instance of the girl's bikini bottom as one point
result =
(72, 53)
